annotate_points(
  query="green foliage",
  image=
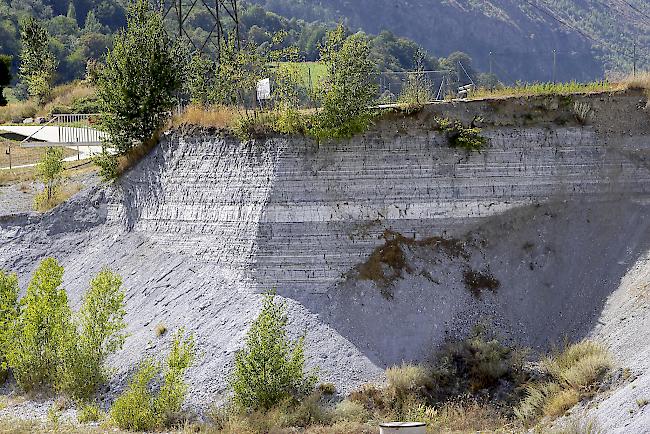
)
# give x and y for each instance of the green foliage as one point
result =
(417, 90)
(5, 76)
(37, 63)
(349, 89)
(459, 136)
(143, 72)
(134, 409)
(99, 332)
(90, 413)
(173, 390)
(139, 408)
(270, 369)
(8, 313)
(46, 347)
(108, 165)
(532, 89)
(49, 170)
(41, 327)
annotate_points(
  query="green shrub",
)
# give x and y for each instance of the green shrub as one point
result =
(50, 170)
(90, 413)
(173, 390)
(41, 327)
(134, 409)
(459, 136)
(8, 313)
(98, 334)
(349, 90)
(270, 369)
(138, 408)
(477, 363)
(108, 165)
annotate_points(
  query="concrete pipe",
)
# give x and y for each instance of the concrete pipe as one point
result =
(403, 428)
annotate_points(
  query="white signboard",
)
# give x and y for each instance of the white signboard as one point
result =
(264, 89)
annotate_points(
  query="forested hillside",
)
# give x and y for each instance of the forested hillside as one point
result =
(531, 40)
(83, 29)
(590, 37)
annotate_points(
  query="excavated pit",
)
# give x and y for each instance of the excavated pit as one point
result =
(384, 246)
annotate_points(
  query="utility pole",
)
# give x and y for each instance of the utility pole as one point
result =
(634, 60)
(490, 63)
(554, 65)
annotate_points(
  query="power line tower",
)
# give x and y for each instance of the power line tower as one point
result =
(223, 18)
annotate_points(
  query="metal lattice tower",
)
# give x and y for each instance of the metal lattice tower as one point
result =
(223, 16)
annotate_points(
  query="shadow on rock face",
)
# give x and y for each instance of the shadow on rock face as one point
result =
(535, 276)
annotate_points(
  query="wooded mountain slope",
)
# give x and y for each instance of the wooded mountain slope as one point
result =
(591, 37)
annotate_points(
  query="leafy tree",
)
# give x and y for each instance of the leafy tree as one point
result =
(350, 87)
(270, 368)
(5, 76)
(41, 326)
(172, 393)
(240, 68)
(37, 63)
(139, 408)
(49, 170)
(72, 12)
(138, 85)
(98, 333)
(92, 25)
(8, 314)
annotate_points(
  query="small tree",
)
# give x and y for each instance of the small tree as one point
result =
(137, 87)
(417, 90)
(41, 326)
(99, 333)
(350, 87)
(138, 408)
(49, 170)
(5, 76)
(8, 314)
(37, 63)
(270, 368)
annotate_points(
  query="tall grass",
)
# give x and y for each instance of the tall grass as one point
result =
(208, 117)
(533, 89)
(571, 375)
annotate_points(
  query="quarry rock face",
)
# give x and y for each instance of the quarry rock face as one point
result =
(383, 246)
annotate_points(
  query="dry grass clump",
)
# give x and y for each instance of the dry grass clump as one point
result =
(407, 379)
(210, 117)
(61, 194)
(17, 111)
(571, 375)
(64, 97)
(639, 82)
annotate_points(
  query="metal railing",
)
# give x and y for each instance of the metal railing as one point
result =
(73, 129)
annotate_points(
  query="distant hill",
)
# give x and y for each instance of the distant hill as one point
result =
(590, 37)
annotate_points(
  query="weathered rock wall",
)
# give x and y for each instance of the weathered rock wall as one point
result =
(296, 215)
(555, 212)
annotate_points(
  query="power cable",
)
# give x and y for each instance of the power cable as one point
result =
(585, 35)
(634, 8)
